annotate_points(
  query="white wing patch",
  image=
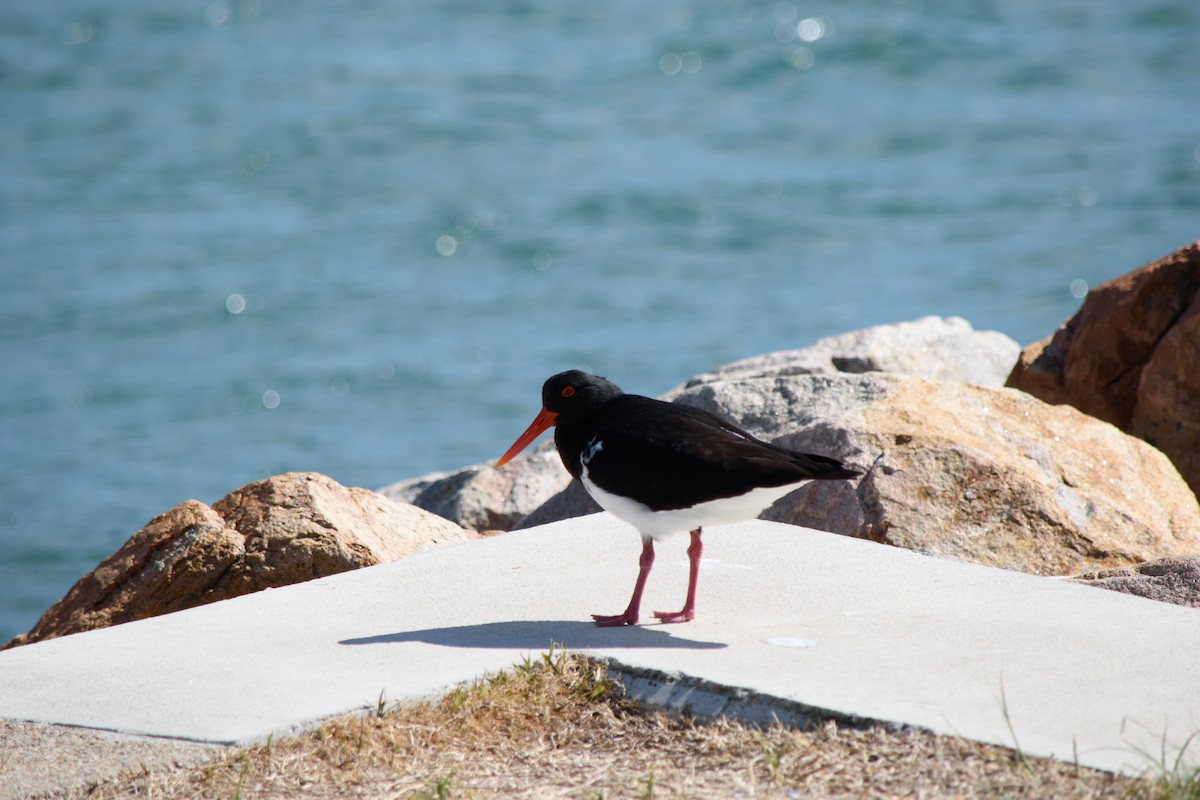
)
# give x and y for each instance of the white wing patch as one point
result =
(735, 433)
(594, 446)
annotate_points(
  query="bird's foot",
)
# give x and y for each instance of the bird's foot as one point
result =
(616, 620)
(686, 615)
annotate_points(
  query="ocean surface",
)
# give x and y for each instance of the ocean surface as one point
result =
(243, 237)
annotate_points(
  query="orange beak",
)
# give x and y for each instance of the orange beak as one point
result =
(540, 423)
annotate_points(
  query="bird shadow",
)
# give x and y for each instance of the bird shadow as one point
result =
(535, 634)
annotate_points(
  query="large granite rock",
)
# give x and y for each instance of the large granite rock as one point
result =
(986, 475)
(483, 498)
(282, 530)
(935, 348)
(1131, 356)
(572, 501)
(1168, 580)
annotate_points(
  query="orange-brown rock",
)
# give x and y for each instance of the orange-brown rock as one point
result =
(992, 476)
(1131, 356)
(282, 530)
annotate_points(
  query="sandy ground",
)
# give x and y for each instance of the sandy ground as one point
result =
(43, 759)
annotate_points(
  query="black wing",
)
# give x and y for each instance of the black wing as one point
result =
(669, 456)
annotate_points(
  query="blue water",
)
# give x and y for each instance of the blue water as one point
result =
(244, 237)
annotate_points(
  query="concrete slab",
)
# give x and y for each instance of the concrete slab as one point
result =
(791, 621)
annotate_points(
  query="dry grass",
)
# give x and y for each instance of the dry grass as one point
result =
(555, 727)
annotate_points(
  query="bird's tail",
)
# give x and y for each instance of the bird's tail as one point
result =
(824, 468)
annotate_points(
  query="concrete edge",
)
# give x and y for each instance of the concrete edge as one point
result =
(678, 693)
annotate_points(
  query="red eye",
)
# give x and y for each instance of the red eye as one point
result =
(568, 391)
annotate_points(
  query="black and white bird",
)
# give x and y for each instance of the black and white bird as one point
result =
(665, 469)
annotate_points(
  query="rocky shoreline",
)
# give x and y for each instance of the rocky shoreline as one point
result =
(1076, 456)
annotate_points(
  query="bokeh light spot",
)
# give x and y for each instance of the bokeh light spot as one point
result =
(485, 221)
(81, 32)
(542, 260)
(446, 245)
(235, 303)
(270, 399)
(218, 14)
(1079, 288)
(340, 387)
(811, 29)
(801, 57)
(257, 160)
(670, 63)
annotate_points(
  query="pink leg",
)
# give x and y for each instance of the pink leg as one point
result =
(630, 616)
(695, 549)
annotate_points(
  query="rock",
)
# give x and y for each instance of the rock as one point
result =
(483, 498)
(1131, 356)
(934, 348)
(573, 501)
(282, 530)
(1169, 580)
(139, 579)
(986, 475)
(300, 526)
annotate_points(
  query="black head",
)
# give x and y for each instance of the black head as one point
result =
(574, 395)
(569, 397)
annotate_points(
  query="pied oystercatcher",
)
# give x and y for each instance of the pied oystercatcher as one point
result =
(664, 468)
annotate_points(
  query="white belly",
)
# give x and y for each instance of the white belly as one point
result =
(657, 524)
